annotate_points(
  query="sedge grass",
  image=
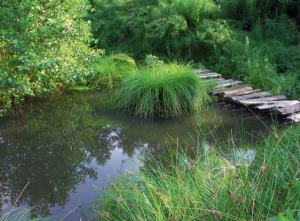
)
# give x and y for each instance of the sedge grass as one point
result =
(166, 90)
(212, 187)
(110, 70)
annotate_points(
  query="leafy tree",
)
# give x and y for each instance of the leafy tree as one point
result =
(43, 47)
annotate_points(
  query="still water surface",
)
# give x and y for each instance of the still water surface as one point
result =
(66, 149)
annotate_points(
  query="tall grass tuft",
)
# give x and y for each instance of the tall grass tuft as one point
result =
(165, 90)
(242, 185)
(109, 71)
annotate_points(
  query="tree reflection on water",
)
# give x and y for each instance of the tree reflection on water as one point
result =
(52, 148)
(52, 152)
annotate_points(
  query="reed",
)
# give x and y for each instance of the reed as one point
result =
(241, 185)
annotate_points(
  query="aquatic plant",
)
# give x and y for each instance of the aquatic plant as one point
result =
(210, 186)
(110, 70)
(166, 90)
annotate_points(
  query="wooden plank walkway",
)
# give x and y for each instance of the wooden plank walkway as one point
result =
(235, 92)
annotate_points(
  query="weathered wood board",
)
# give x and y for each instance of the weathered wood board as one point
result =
(229, 84)
(201, 71)
(210, 75)
(215, 80)
(289, 109)
(224, 81)
(281, 104)
(234, 89)
(295, 117)
(240, 93)
(260, 101)
(249, 96)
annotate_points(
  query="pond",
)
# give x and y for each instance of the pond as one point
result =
(58, 156)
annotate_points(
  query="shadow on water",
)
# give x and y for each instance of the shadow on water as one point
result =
(64, 146)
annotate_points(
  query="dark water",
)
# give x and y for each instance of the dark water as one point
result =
(58, 156)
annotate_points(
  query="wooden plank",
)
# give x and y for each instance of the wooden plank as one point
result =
(199, 71)
(216, 79)
(240, 93)
(264, 100)
(294, 117)
(225, 81)
(247, 96)
(209, 74)
(254, 95)
(289, 109)
(215, 75)
(232, 89)
(229, 84)
(277, 105)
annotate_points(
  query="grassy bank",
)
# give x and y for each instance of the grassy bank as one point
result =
(241, 185)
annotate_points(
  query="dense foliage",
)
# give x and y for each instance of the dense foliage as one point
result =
(256, 41)
(44, 44)
(43, 48)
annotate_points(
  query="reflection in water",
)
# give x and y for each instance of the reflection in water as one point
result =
(64, 144)
(51, 152)
(242, 156)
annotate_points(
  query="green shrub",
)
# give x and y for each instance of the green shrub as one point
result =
(119, 25)
(110, 70)
(239, 10)
(165, 28)
(167, 90)
(152, 61)
(263, 75)
(290, 84)
(43, 48)
(194, 11)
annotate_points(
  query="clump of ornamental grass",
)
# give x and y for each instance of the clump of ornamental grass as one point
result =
(245, 184)
(109, 71)
(162, 90)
